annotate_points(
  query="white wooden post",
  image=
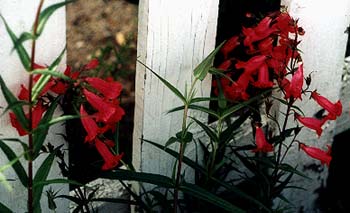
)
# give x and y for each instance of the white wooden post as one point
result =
(20, 15)
(174, 36)
(323, 50)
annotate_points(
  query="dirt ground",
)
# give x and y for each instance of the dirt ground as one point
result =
(96, 24)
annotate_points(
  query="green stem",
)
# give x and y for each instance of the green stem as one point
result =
(30, 127)
(182, 145)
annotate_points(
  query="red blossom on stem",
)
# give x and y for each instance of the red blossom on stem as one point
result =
(37, 114)
(89, 125)
(263, 78)
(230, 45)
(334, 109)
(312, 123)
(261, 143)
(316, 153)
(110, 160)
(110, 90)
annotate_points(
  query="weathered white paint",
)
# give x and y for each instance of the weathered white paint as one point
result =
(323, 48)
(20, 16)
(174, 36)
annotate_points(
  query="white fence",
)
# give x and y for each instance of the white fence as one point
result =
(20, 15)
(173, 38)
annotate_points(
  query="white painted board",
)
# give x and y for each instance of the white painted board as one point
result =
(20, 15)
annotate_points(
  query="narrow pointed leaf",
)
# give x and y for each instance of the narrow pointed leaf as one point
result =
(166, 83)
(39, 135)
(46, 13)
(220, 73)
(200, 169)
(56, 181)
(114, 200)
(17, 166)
(40, 176)
(202, 194)
(13, 105)
(159, 180)
(12, 101)
(54, 121)
(22, 38)
(4, 209)
(203, 99)
(212, 135)
(201, 71)
(52, 73)
(45, 78)
(21, 51)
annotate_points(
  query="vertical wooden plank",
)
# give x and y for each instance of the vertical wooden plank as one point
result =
(323, 49)
(174, 36)
(20, 15)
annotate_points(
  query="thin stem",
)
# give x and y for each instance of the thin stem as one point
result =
(30, 127)
(182, 145)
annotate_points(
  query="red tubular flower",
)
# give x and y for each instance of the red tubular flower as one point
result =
(23, 93)
(333, 109)
(265, 46)
(110, 160)
(92, 64)
(312, 123)
(261, 143)
(89, 125)
(296, 84)
(225, 65)
(263, 78)
(316, 153)
(37, 114)
(105, 109)
(252, 64)
(110, 90)
(261, 31)
(230, 45)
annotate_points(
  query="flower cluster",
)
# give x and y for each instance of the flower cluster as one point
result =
(100, 98)
(265, 56)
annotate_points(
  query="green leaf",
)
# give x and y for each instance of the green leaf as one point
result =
(45, 78)
(200, 169)
(202, 194)
(54, 121)
(230, 131)
(39, 135)
(201, 71)
(17, 166)
(22, 38)
(171, 141)
(16, 104)
(40, 176)
(156, 179)
(4, 209)
(286, 103)
(45, 15)
(4, 182)
(188, 137)
(24, 145)
(114, 200)
(21, 51)
(166, 83)
(56, 181)
(202, 99)
(289, 168)
(195, 107)
(212, 135)
(12, 101)
(220, 73)
(51, 73)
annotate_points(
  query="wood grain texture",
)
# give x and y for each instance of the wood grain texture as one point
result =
(323, 50)
(173, 38)
(20, 16)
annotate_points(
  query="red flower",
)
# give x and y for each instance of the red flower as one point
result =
(110, 90)
(261, 144)
(89, 125)
(265, 46)
(225, 65)
(261, 31)
(263, 78)
(110, 160)
(316, 153)
(23, 93)
(105, 109)
(252, 64)
(333, 109)
(37, 114)
(312, 123)
(92, 64)
(296, 84)
(231, 44)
